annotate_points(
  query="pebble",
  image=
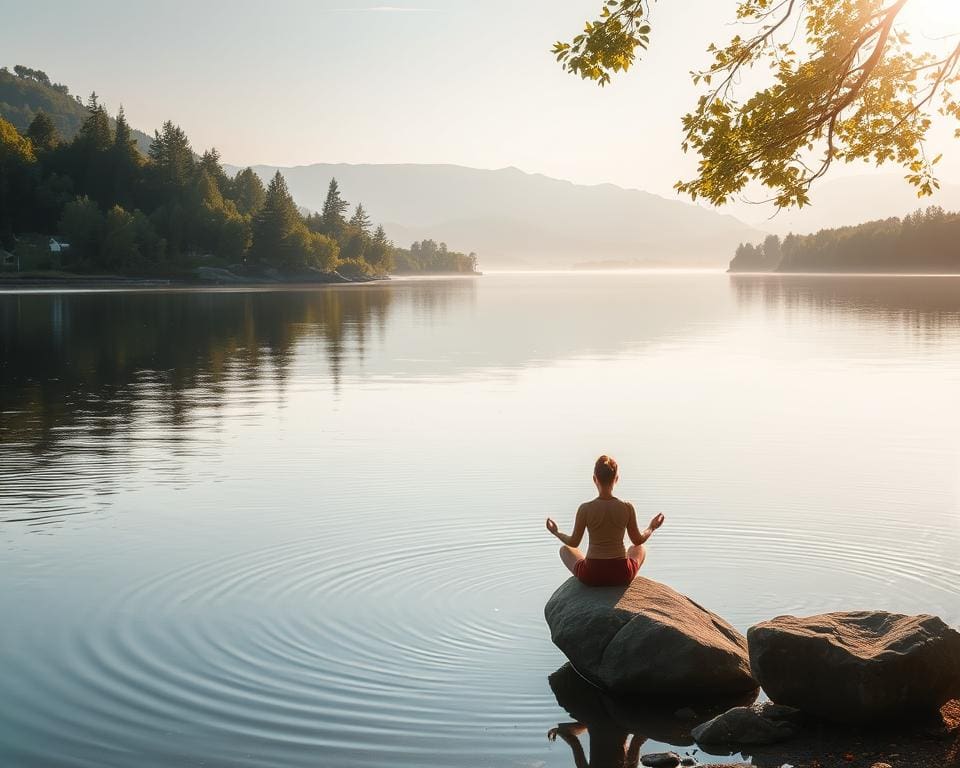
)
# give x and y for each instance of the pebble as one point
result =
(661, 760)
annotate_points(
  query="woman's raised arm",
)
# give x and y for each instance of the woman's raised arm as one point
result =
(574, 539)
(633, 529)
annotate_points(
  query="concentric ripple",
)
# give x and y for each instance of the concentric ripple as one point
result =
(286, 648)
(309, 530)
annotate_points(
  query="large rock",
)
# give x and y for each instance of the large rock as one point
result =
(857, 667)
(760, 724)
(648, 639)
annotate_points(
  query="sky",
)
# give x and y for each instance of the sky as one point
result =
(469, 82)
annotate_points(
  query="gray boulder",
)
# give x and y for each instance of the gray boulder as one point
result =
(858, 667)
(760, 724)
(648, 639)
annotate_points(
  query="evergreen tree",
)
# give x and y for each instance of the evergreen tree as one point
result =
(43, 133)
(334, 208)
(172, 156)
(95, 134)
(360, 219)
(126, 162)
(379, 252)
(248, 192)
(210, 163)
(276, 221)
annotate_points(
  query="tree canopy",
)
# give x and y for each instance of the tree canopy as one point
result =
(171, 210)
(923, 242)
(159, 207)
(844, 83)
(43, 133)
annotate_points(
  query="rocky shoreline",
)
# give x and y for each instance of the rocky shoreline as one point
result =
(862, 689)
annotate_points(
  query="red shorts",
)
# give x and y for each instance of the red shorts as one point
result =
(616, 572)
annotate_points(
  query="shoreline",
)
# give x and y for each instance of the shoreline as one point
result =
(36, 282)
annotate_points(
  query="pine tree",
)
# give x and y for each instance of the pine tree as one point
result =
(95, 133)
(210, 162)
(43, 133)
(360, 220)
(333, 209)
(122, 134)
(277, 220)
(172, 155)
(126, 161)
(379, 253)
(248, 192)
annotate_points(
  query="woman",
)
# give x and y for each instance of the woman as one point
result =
(606, 518)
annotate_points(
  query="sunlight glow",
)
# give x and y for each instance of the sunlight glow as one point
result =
(933, 18)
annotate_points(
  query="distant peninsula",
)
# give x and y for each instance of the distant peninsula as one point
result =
(925, 242)
(79, 200)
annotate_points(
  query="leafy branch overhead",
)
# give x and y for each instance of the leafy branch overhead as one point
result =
(843, 80)
(609, 44)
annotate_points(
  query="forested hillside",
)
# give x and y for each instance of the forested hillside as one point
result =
(924, 242)
(169, 211)
(25, 92)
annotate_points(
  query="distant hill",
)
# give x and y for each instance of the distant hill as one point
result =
(22, 97)
(510, 218)
(517, 219)
(925, 242)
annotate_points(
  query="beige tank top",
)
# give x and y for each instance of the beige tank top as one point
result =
(606, 523)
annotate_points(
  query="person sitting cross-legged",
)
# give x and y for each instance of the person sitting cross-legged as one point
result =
(607, 520)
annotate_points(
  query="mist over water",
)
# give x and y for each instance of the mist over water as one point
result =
(302, 528)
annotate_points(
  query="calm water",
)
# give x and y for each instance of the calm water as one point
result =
(306, 528)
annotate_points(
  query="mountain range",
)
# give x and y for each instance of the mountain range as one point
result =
(514, 219)
(517, 219)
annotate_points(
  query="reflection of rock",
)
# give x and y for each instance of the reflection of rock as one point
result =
(610, 721)
(648, 639)
(661, 760)
(760, 724)
(589, 705)
(858, 667)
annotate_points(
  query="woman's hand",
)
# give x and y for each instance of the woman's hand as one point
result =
(656, 522)
(552, 526)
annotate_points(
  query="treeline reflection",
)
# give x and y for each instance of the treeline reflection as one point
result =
(925, 303)
(96, 360)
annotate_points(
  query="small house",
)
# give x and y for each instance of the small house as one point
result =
(58, 246)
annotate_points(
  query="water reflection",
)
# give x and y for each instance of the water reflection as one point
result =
(98, 359)
(617, 730)
(312, 521)
(923, 302)
(619, 733)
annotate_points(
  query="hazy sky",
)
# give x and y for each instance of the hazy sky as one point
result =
(427, 81)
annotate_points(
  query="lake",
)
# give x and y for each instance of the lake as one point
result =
(305, 528)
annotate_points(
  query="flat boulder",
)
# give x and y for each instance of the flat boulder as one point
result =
(648, 639)
(858, 666)
(764, 723)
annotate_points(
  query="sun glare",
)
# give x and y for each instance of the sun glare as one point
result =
(933, 18)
